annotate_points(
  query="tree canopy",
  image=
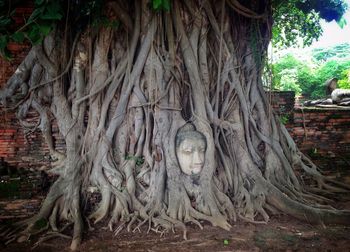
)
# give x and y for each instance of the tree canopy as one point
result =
(308, 75)
(293, 19)
(298, 19)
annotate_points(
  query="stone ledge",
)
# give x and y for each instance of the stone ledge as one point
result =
(323, 108)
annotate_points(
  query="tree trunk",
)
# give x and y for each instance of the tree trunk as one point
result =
(121, 96)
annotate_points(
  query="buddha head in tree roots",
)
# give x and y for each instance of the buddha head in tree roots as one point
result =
(190, 147)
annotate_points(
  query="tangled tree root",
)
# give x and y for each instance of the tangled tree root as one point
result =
(123, 96)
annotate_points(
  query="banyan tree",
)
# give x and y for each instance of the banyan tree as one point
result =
(162, 109)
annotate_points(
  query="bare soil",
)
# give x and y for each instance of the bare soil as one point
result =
(282, 233)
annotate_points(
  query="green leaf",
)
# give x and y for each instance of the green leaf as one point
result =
(34, 35)
(51, 16)
(44, 29)
(161, 5)
(226, 242)
(114, 24)
(156, 4)
(4, 21)
(38, 2)
(53, 11)
(342, 22)
(5, 53)
(36, 13)
(18, 37)
(3, 41)
(166, 5)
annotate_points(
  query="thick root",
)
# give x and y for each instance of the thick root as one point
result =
(304, 212)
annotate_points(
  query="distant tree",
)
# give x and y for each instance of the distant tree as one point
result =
(299, 21)
(344, 81)
(309, 79)
(332, 62)
(289, 81)
(334, 52)
(290, 73)
(331, 69)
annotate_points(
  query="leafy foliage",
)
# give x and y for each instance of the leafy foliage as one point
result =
(297, 20)
(292, 24)
(289, 80)
(161, 5)
(329, 10)
(90, 12)
(139, 160)
(338, 51)
(47, 13)
(344, 82)
(294, 19)
(335, 69)
(290, 73)
(40, 23)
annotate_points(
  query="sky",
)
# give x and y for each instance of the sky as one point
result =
(333, 34)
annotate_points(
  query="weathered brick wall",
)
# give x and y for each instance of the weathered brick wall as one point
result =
(282, 103)
(21, 194)
(24, 148)
(322, 131)
(18, 208)
(21, 153)
(20, 148)
(325, 131)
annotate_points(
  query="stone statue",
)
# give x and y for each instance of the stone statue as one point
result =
(341, 97)
(331, 84)
(338, 96)
(190, 147)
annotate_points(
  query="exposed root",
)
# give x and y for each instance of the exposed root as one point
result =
(49, 236)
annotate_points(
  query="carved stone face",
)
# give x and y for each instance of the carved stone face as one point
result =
(190, 152)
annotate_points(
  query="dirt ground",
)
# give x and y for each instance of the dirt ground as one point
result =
(282, 233)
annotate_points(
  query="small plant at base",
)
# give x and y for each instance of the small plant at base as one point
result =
(284, 119)
(139, 160)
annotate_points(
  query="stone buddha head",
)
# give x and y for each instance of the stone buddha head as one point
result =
(190, 147)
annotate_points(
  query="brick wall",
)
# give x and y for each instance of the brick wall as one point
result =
(325, 131)
(21, 153)
(282, 102)
(18, 208)
(19, 148)
(321, 130)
